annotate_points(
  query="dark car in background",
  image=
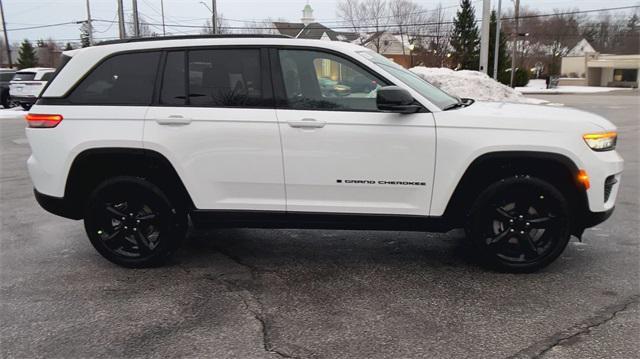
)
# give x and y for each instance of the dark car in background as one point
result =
(5, 77)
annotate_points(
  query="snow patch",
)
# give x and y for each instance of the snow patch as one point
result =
(471, 84)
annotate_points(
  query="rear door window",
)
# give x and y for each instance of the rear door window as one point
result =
(216, 78)
(126, 79)
(24, 76)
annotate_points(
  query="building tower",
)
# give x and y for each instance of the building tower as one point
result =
(307, 15)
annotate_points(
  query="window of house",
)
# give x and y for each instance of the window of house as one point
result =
(315, 80)
(126, 79)
(626, 75)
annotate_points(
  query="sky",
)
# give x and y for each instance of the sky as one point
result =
(27, 13)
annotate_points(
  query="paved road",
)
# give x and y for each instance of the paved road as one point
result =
(244, 293)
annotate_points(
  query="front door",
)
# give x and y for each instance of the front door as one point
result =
(342, 155)
(215, 122)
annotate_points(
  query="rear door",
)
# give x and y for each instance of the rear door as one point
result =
(214, 120)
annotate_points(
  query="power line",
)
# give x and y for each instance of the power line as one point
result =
(336, 27)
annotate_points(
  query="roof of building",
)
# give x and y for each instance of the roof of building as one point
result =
(314, 30)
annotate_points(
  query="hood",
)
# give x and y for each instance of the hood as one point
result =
(531, 117)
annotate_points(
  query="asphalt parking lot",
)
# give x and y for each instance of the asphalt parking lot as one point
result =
(249, 293)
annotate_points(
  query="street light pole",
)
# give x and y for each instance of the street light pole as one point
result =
(496, 51)
(514, 43)
(213, 14)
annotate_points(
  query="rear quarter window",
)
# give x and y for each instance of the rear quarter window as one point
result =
(47, 76)
(125, 79)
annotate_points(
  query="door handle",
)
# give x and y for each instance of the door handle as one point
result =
(307, 123)
(173, 120)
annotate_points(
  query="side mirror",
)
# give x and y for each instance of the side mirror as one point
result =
(396, 99)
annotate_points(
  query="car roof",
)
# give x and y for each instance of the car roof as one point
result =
(203, 41)
(37, 69)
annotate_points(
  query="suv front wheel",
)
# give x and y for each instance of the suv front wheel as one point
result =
(519, 224)
(131, 222)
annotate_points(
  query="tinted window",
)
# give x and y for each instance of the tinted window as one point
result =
(6, 76)
(225, 78)
(125, 79)
(320, 81)
(173, 80)
(24, 76)
(47, 76)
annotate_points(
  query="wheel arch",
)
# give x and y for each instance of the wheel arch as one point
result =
(92, 166)
(488, 168)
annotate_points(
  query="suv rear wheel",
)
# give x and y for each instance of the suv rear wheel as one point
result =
(519, 224)
(131, 222)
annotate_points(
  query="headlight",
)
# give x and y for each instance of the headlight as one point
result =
(602, 141)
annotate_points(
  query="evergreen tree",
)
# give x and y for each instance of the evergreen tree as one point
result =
(68, 47)
(503, 57)
(632, 24)
(27, 55)
(465, 39)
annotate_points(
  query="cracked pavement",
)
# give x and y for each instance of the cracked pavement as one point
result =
(252, 293)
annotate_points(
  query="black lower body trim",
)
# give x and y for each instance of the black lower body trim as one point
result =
(57, 205)
(27, 100)
(316, 220)
(594, 218)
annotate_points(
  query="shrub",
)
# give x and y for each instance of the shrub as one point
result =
(521, 78)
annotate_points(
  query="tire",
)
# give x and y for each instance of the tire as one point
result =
(132, 223)
(519, 224)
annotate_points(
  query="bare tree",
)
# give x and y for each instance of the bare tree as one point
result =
(145, 28)
(221, 26)
(405, 14)
(439, 33)
(369, 18)
(265, 26)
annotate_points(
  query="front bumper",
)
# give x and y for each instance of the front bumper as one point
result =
(58, 206)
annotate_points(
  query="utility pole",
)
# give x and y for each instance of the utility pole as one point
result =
(6, 38)
(484, 37)
(89, 24)
(121, 27)
(213, 17)
(496, 51)
(514, 43)
(164, 33)
(136, 20)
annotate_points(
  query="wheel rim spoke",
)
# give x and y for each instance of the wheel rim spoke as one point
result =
(527, 245)
(146, 217)
(143, 243)
(111, 209)
(500, 237)
(115, 240)
(542, 222)
(503, 214)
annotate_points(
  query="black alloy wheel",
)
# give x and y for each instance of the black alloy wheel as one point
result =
(132, 223)
(520, 224)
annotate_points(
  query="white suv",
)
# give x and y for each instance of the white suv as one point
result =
(27, 84)
(136, 137)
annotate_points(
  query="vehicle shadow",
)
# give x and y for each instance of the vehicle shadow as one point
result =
(278, 249)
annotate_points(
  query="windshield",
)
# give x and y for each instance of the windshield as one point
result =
(430, 92)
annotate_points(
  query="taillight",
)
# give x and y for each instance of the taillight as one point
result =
(36, 120)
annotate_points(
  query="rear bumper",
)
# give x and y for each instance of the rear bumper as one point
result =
(57, 205)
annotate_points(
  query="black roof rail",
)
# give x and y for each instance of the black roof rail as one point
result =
(187, 37)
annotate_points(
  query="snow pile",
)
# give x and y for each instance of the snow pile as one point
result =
(471, 84)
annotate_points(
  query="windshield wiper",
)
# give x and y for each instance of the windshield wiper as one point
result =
(462, 102)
